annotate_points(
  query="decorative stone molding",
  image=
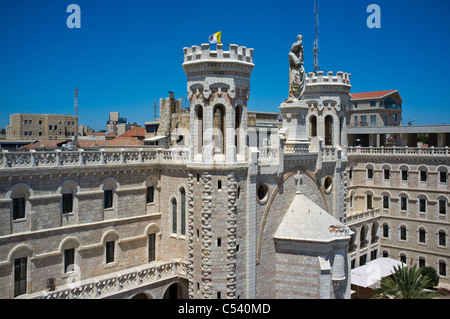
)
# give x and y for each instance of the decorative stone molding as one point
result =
(207, 287)
(231, 237)
(191, 235)
(115, 283)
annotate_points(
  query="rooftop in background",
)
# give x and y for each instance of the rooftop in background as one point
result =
(44, 144)
(373, 95)
(137, 132)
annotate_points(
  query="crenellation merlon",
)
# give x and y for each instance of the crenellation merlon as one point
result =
(204, 52)
(321, 77)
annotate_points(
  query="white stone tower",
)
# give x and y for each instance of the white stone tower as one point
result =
(327, 97)
(218, 84)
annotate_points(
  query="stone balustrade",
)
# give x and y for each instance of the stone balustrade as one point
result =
(58, 158)
(398, 151)
(329, 154)
(361, 216)
(268, 155)
(296, 149)
(115, 283)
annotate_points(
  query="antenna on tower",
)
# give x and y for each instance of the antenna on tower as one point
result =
(154, 108)
(75, 101)
(316, 41)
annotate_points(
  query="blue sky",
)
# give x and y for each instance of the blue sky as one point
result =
(128, 54)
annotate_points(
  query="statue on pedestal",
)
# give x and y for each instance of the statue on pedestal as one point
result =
(297, 78)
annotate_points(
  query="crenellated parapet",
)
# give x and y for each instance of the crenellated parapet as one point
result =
(204, 52)
(328, 78)
(213, 74)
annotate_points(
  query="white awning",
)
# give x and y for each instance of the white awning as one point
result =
(372, 272)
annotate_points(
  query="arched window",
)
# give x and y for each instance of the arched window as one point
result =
(442, 238)
(422, 262)
(422, 235)
(403, 258)
(403, 202)
(443, 175)
(237, 128)
(442, 268)
(403, 232)
(19, 194)
(422, 200)
(385, 230)
(219, 129)
(369, 200)
(423, 174)
(442, 205)
(386, 172)
(183, 211)
(109, 188)
(369, 171)
(68, 190)
(153, 232)
(386, 200)
(363, 236)
(328, 130)
(109, 240)
(404, 172)
(313, 125)
(174, 215)
(68, 248)
(374, 232)
(199, 119)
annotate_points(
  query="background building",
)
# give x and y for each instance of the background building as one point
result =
(41, 126)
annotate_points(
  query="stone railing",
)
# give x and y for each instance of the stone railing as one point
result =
(329, 154)
(268, 155)
(399, 151)
(361, 216)
(296, 149)
(12, 159)
(115, 283)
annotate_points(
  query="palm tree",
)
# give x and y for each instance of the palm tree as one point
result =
(405, 283)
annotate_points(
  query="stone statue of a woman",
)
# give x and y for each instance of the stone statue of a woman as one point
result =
(297, 79)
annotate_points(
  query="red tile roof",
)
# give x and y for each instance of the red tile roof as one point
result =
(134, 132)
(371, 95)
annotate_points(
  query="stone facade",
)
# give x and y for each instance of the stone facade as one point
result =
(204, 221)
(409, 195)
(41, 127)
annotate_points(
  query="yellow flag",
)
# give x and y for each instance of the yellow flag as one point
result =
(215, 38)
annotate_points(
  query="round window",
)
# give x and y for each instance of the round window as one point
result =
(262, 193)
(328, 184)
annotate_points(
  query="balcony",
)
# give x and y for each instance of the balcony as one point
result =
(115, 283)
(58, 158)
(362, 216)
(399, 151)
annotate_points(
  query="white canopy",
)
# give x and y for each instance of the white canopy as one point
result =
(372, 272)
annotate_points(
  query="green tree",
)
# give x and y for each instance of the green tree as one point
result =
(431, 273)
(406, 283)
(422, 138)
